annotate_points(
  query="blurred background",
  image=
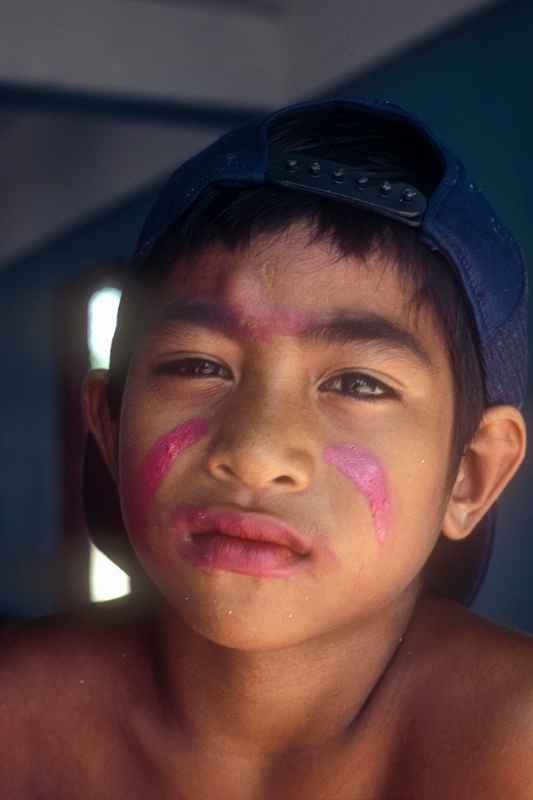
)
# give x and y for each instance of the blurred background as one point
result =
(99, 102)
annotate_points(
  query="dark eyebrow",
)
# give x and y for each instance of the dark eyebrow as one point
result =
(346, 326)
(339, 327)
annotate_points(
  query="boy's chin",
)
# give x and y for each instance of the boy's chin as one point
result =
(234, 620)
(245, 636)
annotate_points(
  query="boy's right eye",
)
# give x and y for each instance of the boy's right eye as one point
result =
(193, 368)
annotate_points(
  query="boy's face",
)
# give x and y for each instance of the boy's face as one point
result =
(346, 441)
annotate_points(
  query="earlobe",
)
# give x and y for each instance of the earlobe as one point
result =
(97, 414)
(487, 466)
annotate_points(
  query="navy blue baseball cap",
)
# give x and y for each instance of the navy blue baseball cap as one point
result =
(454, 218)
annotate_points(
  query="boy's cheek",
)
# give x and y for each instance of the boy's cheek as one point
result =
(140, 481)
(366, 473)
(418, 492)
(403, 487)
(382, 489)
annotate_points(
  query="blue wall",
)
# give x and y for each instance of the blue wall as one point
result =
(473, 84)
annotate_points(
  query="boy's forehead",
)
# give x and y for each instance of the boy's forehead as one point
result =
(287, 285)
(289, 275)
(271, 261)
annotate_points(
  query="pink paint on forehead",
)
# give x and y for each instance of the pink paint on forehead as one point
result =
(264, 322)
(155, 466)
(363, 468)
(250, 314)
(281, 323)
(261, 317)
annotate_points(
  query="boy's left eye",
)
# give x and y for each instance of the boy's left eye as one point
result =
(359, 386)
(193, 368)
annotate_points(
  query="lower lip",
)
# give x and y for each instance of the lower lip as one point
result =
(214, 551)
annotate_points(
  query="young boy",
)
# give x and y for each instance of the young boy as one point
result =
(312, 407)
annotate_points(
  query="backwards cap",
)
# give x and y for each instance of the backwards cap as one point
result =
(454, 218)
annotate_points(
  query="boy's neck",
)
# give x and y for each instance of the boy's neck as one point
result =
(267, 704)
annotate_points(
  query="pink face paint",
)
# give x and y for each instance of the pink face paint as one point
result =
(361, 467)
(261, 322)
(254, 319)
(154, 467)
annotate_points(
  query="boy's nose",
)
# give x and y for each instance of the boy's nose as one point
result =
(267, 447)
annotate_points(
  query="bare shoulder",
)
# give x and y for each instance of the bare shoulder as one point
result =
(63, 645)
(62, 679)
(483, 657)
(502, 668)
(475, 709)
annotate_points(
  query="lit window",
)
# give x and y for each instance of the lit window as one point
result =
(103, 307)
(106, 580)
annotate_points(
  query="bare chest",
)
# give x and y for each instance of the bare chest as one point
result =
(114, 771)
(92, 759)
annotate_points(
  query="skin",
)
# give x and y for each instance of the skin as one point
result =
(250, 465)
(157, 462)
(344, 681)
(361, 467)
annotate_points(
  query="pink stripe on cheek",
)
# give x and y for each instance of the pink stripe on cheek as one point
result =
(154, 467)
(361, 467)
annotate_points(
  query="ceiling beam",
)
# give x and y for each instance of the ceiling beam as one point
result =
(167, 52)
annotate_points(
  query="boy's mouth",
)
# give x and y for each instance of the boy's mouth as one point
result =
(216, 551)
(221, 538)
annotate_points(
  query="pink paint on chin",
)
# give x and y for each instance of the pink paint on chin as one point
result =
(363, 468)
(154, 467)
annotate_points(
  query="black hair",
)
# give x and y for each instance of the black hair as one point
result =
(234, 216)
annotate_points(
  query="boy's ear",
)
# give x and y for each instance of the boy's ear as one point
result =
(97, 414)
(487, 466)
